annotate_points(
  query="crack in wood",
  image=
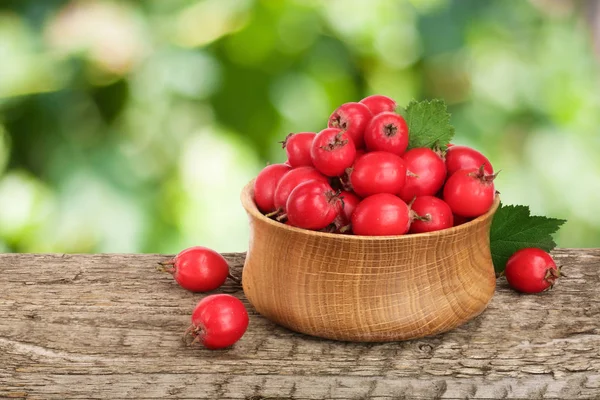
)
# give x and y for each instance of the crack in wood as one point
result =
(292, 392)
(221, 387)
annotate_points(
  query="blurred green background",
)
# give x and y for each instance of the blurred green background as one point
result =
(131, 126)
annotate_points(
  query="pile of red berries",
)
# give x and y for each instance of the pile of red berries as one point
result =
(359, 176)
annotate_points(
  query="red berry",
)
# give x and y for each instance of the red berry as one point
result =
(426, 173)
(430, 214)
(332, 152)
(469, 192)
(198, 269)
(292, 179)
(463, 157)
(378, 103)
(378, 172)
(312, 205)
(387, 131)
(218, 321)
(531, 270)
(349, 203)
(265, 185)
(297, 148)
(353, 119)
(382, 214)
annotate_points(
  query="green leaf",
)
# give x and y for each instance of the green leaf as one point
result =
(513, 228)
(428, 123)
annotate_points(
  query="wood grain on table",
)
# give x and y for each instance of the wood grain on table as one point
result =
(109, 326)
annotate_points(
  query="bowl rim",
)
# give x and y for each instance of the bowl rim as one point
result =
(249, 205)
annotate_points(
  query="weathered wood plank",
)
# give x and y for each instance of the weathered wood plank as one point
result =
(109, 326)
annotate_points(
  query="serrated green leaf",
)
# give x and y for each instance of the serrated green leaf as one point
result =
(513, 229)
(428, 123)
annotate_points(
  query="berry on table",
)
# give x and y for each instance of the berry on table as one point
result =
(531, 270)
(218, 321)
(198, 269)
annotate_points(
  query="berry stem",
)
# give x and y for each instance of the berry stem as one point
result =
(274, 213)
(196, 332)
(284, 141)
(481, 172)
(187, 333)
(551, 276)
(412, 202)
(390, 130)
(164, 266)
(417, 217)
(345, 229)
(334, 196)
(482, 176)
(490, 178)
(195, 341)
(336, 143)
(346, 184)
(336, 122)
(439, 151)
(281, 217)
(328, 229)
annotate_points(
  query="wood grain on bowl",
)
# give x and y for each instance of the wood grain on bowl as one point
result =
(371, 289)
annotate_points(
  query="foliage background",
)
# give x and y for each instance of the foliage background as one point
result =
(131, 126)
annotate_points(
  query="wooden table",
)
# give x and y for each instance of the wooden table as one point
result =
(109, 326)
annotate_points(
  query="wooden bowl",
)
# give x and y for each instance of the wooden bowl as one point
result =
(367, 288)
